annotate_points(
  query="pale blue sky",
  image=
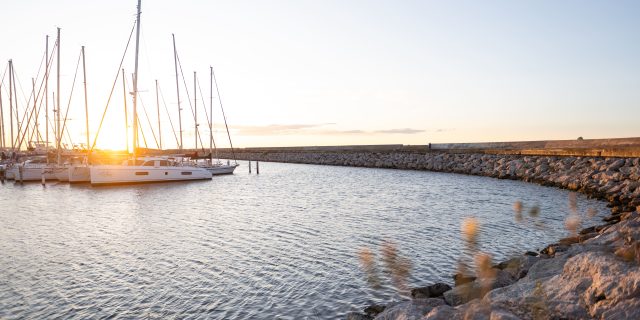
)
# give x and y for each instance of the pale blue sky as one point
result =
(356, 72)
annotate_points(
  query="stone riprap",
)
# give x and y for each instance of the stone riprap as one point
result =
(594, 274)
(615, 179)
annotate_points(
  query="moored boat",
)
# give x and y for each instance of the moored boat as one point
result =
(32, 170)
(146, 170)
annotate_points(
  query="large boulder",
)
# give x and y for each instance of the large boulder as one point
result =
(474, 290)
(409, 310)
(592, 284)
(433, 291)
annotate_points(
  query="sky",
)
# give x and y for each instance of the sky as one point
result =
(304, 73)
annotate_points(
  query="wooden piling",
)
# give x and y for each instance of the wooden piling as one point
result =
(249, 166)
(257, 167)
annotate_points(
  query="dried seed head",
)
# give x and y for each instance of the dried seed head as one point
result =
(470, 229)
(573, 202)
(572, 223)
(517, 207)
(591, 212)
(534, 212)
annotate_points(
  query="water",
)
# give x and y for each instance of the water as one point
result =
(283, 244)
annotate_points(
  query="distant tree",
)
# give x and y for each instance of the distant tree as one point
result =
(580, 138)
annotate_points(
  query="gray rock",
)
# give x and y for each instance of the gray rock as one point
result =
(413, 309)
(616, 165)
(357, 316)
(544, 268)
(463, 293)
(501, 314)
(374, 310)
(433, 291)
(443, 312)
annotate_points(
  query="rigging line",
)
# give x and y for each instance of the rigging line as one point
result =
(142, 132)
(73, 86)
(24, 115)
(189, 98)
(21, 123)
(69, 139)
(93, 145)
(24, 96)
(44, 78)
(207, 114)
(37, 111)
(36, 96)
(149, 121)
(4, 74)
(223, 115)
(54, 49)
(202, 98)
(173, 130)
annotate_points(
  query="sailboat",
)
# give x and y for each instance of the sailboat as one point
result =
(78, 169)
(216, 167)
(36, 168)
(144, 169)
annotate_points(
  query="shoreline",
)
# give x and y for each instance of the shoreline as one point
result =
(575, 277)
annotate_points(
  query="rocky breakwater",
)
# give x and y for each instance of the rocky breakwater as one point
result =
(616, 180)
(593, 274)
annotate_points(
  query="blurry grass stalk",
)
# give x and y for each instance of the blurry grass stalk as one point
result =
(368, 263)
(396, 267)
(485, 272)
(573, 221)
(470, 227)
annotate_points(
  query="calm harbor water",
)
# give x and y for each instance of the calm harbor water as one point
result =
(283, 244)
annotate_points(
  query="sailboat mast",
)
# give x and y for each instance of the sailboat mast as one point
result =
(15, 103)
(46, 98)
(2, 137)
(224, 117)
(58, 137)
(35, 110)
(126, 119)
(86, 104)
(158, 108)
(195, 109)
(135, 84)
(11, 101)
(211, 114)
(175, 61)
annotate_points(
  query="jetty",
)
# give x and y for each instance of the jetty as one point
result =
(593, 273)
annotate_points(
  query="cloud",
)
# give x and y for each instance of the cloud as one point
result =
(400, 131)
(311, 129)
(276, 129)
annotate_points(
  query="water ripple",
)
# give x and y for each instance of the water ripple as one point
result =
(282, 245)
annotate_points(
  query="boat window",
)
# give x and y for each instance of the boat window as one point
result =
(148, 163)
(186, 173)
(164, 163)
(142, 173)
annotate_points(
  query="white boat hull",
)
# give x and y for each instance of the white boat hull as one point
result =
(9, 175)
(117, 174)
(79, 174)
(218, 170)
(31, 173)
(62, 174)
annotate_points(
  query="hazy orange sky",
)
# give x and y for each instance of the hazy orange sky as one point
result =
(345, 72)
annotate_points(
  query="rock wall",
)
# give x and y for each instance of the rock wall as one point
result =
(615, 179)
(594, 274)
